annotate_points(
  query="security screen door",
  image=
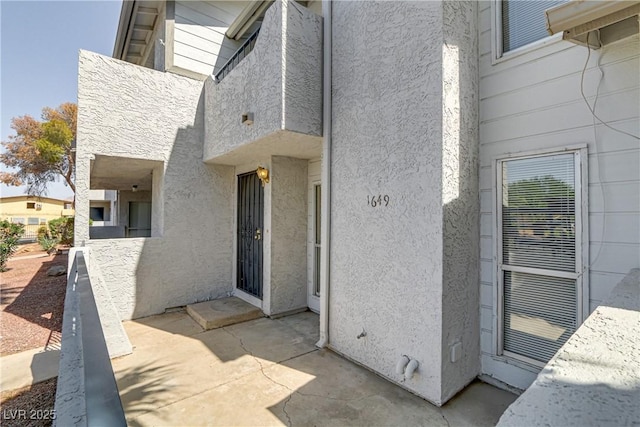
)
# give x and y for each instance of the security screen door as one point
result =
(250, 234)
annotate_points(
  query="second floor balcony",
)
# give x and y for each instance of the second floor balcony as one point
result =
(268, 100)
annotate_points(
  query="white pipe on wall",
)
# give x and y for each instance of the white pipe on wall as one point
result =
(402, 365)
(325, 225)
(411, 369)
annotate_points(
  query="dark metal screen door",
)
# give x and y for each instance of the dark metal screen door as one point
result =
(250, 234)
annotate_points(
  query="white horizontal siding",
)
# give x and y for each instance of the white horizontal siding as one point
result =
(615, 197)
(206, 56)
(548, 140)
(199, 37)
(614, 227)
(200, 44)
(600, 281)
(532, 101)
(560, 117)
(191, 64)
(224, 11)
(563, 89)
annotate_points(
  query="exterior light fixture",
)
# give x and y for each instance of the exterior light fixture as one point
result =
(263, 174)
(134, 188)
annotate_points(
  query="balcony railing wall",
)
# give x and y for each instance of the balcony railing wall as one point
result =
(87, 393)
(240, 54)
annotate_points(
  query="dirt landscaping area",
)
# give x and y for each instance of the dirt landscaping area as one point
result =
(31, 301)
(31, 406)
(31, 308)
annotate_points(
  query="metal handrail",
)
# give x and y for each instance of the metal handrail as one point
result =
(87, 366)
(238, 56)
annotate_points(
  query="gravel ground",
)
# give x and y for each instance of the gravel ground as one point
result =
(30, 406)
(31, 303)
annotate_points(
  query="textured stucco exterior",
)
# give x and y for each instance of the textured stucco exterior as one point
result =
(460, 200)
(403, 128)
(594, 378)
(280, 82)
(132, 112)
(116, 338)
(288, 257)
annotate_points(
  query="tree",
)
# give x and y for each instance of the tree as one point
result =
(540, 192)
(41, 151)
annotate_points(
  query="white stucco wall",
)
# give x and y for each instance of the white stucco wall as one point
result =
(404, 127)
(532, 101)
(288, 201)
(461, 204)
(280, 82)
(129, 111)
(115, 336)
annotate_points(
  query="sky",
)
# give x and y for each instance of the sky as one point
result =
(39, 43)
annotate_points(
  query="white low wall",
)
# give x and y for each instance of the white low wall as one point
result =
(115, 336)
(594, 379)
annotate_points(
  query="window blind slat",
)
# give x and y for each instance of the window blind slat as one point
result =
(539, 314)
(538, 213)
(524, 21)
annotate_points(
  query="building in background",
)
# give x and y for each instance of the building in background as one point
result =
(34, 212)
(438, 181)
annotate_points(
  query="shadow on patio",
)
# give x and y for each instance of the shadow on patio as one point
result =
(269, 372)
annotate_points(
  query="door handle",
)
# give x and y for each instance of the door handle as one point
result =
(258, 235)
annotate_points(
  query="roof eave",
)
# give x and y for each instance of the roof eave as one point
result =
(126, 15)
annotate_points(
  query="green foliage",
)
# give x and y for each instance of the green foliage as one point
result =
(43, 232)
(10, 235)
(61, 229)
(48, 244)
(540, 207)
(55, 142)
(538, 192)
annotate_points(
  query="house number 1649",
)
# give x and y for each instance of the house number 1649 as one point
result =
(379, 200)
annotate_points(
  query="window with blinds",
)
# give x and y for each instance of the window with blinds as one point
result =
(524, 21)
(539, 254)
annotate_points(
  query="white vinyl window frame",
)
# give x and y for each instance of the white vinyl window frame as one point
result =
(497, 48)
(581, 274)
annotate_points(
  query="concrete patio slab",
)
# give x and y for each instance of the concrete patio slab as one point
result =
(222, 312)
(268, 372)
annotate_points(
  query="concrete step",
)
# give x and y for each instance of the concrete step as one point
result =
(222, 312)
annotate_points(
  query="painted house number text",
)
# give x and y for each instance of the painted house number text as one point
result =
(379, 200)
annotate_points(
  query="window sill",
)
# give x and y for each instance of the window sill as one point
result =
(517, 363)
(530, 49)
